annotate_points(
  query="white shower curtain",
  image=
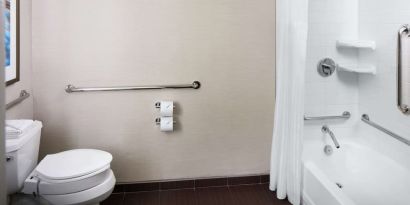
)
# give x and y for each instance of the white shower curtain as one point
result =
(291, 43)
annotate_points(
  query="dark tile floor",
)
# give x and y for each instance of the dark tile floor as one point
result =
(256, 194)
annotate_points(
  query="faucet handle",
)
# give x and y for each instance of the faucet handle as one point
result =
(325, 129)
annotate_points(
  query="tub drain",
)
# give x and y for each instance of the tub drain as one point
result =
(339, 185)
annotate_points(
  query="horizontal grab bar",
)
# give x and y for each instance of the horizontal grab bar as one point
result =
(23, 95)
(345, 115)
(366, 119)
(72, 88)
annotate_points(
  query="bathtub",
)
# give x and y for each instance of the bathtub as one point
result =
(353, 175)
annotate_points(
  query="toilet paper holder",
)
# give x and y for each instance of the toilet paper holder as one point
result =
(158, 121)
(158, 105)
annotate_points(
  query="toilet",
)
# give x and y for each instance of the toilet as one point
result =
(75, 177)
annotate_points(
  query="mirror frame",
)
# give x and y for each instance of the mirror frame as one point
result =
(17, 78)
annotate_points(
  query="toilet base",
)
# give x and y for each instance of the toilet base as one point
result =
(94, 195)
(91, 196)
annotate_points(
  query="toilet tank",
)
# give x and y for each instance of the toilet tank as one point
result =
(22, 156)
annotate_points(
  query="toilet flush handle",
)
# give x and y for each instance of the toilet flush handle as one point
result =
(9, 158)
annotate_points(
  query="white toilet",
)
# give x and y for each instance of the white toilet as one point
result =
(81, 176)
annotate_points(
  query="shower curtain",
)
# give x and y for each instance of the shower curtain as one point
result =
(291, 43)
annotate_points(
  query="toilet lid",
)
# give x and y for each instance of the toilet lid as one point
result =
(73, 163)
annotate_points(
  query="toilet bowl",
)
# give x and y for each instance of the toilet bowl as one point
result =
(73, 177)
(81, 176)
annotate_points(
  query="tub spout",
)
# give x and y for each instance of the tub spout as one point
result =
(326, 130)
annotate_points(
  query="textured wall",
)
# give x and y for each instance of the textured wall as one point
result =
(25, 109)
(225, 128)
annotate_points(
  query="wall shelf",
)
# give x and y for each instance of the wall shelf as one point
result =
(359, 44)
(362, 69)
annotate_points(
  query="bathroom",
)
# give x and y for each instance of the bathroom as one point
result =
(205, 102)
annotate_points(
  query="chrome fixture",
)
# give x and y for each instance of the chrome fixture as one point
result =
(72, 88)
(23, 95)
(328, 150)
(345, 115)
(326, 130)
(400, 104)
(326, 67)
(366, 119)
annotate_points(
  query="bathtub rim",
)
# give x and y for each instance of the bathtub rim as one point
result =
(335, 192)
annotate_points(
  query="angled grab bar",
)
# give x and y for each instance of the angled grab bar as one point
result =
(402, 107)
(344, 116)
(23, 95)
(366, 119)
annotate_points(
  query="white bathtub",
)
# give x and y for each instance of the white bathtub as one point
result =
(366, 176)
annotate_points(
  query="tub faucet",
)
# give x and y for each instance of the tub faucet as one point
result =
(326, 130)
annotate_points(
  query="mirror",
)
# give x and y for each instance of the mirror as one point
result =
(12, 61)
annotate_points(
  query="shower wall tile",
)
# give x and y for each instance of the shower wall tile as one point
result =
(380, 21)
(330, 21)
(376, 95)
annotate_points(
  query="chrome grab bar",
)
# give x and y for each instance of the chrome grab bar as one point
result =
(72, 88)
(23, 95)
(366, 119)
(403, 108)
(345, 115)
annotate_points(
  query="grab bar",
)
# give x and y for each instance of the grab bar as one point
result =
(366, 119)
(402, 107)
(72, 88)
(345, 115)
(23, 95)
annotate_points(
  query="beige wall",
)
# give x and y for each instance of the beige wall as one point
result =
(25, 109)
(224, 128)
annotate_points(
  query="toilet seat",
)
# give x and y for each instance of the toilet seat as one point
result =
(72, 164)
(73, 186)
(73, 179)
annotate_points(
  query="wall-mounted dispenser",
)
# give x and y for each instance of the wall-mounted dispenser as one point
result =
(166, 121)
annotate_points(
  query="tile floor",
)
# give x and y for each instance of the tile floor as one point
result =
(254, 194)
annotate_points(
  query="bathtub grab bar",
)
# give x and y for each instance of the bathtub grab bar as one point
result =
(405, 109)
(366, 119)
(345, 115)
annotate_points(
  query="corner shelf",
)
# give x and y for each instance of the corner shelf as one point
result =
(359, 44)
(366, 69)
